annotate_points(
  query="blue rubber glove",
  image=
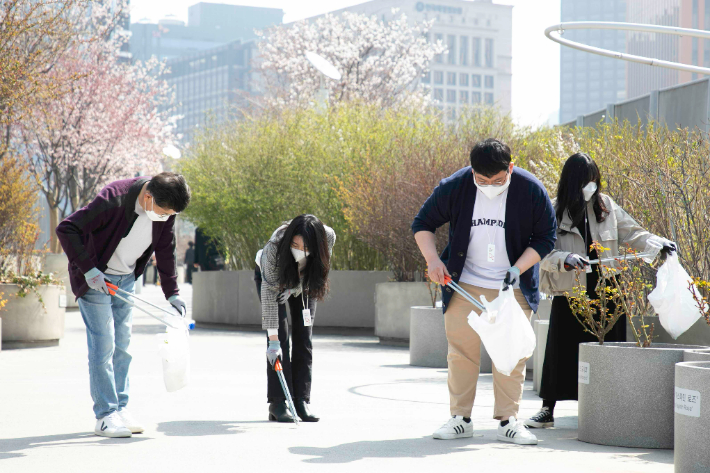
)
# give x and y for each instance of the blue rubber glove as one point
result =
(512, 277)
(179, 304)
(273, 352)
(96, 280)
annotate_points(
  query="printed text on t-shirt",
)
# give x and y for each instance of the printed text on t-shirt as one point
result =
(489, 222)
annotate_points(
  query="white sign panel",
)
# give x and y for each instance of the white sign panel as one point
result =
(687, 402)
(583, 376)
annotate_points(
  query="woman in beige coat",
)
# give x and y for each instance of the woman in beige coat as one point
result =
(584, 215)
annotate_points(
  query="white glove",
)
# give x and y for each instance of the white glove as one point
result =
(283, 297)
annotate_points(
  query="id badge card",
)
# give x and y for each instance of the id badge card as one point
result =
(491, 253)
(588, 269)
(307, 320)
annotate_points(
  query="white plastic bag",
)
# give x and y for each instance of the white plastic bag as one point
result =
(174, 347)
(672, 299)
(505, 331)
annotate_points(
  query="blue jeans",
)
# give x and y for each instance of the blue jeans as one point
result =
(108, 332)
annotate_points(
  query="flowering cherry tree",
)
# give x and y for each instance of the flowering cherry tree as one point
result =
(379, 62)
(111, 122)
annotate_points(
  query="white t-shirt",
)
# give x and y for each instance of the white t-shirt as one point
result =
(487, 228)
(133, 245)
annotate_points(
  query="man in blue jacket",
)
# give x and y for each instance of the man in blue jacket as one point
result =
(502, 224)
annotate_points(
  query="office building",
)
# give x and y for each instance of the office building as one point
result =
(589, 82)
(209, 25)
(210, 83)
(477, 67)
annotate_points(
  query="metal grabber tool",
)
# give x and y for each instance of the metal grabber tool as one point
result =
(114, 290)
(462, 292)
(282, 380)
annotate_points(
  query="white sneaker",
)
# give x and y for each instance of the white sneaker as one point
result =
(111, 426)
(455, 428)
(130, 422)
(516, 432)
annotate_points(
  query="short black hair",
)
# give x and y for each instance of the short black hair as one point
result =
(189, 243)
(170, 191)
(489, 157)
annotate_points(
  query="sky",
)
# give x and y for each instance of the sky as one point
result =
(536, 59)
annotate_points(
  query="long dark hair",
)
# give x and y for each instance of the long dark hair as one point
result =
(578, 171)
(315, 240)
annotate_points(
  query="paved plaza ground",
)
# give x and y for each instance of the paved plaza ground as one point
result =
(378, 414)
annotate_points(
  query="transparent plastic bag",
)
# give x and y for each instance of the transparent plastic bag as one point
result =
(505, 331)
(174, 348)
(672, 299)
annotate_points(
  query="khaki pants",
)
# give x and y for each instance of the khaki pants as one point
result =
(465, 359)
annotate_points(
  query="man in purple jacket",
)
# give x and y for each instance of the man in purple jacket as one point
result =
(112, 239)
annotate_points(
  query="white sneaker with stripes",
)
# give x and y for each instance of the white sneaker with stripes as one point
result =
(515, 431)
(455, 428)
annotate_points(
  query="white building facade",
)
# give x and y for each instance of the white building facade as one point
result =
(479, 37)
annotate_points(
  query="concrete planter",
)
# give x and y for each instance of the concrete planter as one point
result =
(427, 338)
(25, 323)
(59, 265)
(696, 355)
(692, 418)
(393, 301)
(230, 297)
(626, 393)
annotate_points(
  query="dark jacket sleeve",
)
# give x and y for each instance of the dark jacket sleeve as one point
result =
(544, 224)
(71, 230)
(435, 212)
(166, 259)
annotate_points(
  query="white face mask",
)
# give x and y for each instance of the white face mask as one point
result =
(299, 255)
(493, 191)
(154, 216)
(589, 190)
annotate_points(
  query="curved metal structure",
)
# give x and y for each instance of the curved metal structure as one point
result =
(607, 25)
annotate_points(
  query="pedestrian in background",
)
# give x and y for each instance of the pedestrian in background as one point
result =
(584, 215)
(189, 261)
(292, 268)
(111, 239)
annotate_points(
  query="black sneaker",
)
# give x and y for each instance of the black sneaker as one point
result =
(542, 419)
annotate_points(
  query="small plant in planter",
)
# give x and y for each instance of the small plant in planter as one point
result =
(28, 283)
(622, 291)
(699, 288)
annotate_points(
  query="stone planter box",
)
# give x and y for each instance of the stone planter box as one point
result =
(59, 265)
(25, 323)
(692, 417)
(696, 355)
(230, 297)
(427, 338)
(393, 301)
(626, 393)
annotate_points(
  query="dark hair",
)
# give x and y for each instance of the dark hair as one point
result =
(315, 240)
(189, 243)
(489, 157)
(170, 191)
(578, 171)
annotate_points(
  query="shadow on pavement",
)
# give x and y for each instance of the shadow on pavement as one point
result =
(554, 440)
(201, 428)
(12, 448)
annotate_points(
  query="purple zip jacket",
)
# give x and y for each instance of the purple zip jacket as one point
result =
(91, 235)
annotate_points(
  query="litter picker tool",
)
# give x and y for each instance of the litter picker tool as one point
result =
(649, 257)
(114, 290)
(462, 292)
(282, 380)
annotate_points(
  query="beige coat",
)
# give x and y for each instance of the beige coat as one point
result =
(617, 229)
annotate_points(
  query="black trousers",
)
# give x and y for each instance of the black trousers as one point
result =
(297, 355)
